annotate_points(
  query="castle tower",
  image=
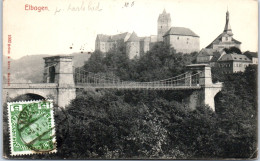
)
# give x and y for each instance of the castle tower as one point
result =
(163, 24)
(227, 28)
(133, 46)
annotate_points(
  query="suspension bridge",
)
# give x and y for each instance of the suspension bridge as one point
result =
(85, 79)
(61, 81)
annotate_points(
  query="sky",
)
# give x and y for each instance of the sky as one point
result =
(76, 23)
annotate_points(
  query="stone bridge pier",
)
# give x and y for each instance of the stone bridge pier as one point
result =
(206, 94)
(58, 83)
(59, 70)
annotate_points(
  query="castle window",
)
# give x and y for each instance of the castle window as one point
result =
(187, 38)
(226, 38)
(177, 38)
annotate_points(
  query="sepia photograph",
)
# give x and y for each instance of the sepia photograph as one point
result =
(130, 79)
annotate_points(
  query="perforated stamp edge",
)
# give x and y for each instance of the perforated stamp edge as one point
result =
(29, 152)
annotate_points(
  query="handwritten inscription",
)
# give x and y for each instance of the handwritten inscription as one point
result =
(91, 6)
(29, 7)
(129, 4)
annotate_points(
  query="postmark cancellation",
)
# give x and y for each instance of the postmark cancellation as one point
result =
(31, 127)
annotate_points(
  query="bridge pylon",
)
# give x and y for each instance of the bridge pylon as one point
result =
(59, 70)
(206, 95)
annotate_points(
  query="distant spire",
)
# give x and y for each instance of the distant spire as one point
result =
(227, 28)
(164, 11)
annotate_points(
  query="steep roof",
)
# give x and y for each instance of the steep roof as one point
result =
(207, 52)
(215, 57)
(102, 37)
(116, 37)
(218, 40)
(133, 38)
(180, 31)
(210, 52)
(119, 36)
(235, 57)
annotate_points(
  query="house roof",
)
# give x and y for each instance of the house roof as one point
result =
(234, 57)
(180, 31)
(116, 37)
(215, 57)
(207, 52)
(102, 37)
(210, 52)
(218, 40)
(251, 55)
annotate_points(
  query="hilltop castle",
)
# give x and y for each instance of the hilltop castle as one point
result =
(182, 39)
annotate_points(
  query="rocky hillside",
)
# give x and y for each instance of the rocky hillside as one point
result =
(30, 68)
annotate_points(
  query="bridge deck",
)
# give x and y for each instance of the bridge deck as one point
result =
(135, 87)
(100, 86)
(30, 85)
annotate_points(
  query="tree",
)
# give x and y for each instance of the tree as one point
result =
(232, 50)
(95, 63)
(236, 107)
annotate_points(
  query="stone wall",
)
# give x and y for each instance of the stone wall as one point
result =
(133, 49)
(184, 44)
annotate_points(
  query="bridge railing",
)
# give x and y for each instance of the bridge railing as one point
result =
(30, 85)
(89, 79)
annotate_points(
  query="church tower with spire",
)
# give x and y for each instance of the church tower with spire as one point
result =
(225, 39)
(227, 28)
(163, 24)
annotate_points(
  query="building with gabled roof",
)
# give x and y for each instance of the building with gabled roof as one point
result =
(225, 39)
(233, 62)
(206, 55)
(133, 46)
(104, 43)
(253, 56)
(182, 39)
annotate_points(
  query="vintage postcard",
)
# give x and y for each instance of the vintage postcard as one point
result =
(130, 79)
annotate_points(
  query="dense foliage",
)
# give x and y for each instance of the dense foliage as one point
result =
(111, 124)
(232, 50)
(159, 63)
